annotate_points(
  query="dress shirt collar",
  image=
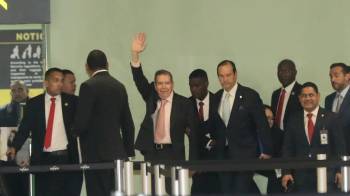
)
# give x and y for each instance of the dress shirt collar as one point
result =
(314, 112)
(289, 88)
(48, 97)
(344, 91)
(205, 100)
(232, 92)
(98, 71)
(170, 98)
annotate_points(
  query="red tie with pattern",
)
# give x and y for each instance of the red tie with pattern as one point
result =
(310, 126)
(280, 108)
(48, 134)
(200, 111)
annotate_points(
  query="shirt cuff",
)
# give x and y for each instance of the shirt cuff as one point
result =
(208, 146)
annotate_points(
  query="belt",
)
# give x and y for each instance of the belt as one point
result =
(162, 146)
(57, 153)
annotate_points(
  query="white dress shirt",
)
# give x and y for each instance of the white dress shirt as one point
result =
(167, 138)
(342, 95)
(232, 93)
(288, 90)
(306, 119)
(59, 139)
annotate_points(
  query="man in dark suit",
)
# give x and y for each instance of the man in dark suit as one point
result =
(240, 124)
(48, 118)
(202, 101)
(10, 116)
(339, 101)
(310, 132)
(168, 115)
(103, 122)
(69, 88)
(284, 102)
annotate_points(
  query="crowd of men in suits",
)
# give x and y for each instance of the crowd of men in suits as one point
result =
(231, 124)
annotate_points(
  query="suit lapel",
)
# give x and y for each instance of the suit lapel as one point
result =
(172, 117)
(303, 128)
(64, 106)
(236, 104)
(42, 117)
(345, 102)
(293, 93)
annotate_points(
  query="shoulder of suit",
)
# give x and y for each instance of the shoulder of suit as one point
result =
(68, 96)
(276, 91)
(36, 98)
(325, 112)
(180, 97)
(247, 90)
(330, 96)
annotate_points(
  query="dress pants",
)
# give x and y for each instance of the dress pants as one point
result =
(14, 184)
(99, 182)
(53, 184)
(236, 183)
(205, 183)
(167, 153)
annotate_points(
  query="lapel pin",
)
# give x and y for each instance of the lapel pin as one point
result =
(322, 115)
(292, 93)
(240, 97)
(66, 104)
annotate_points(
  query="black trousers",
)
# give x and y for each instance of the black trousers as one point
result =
(56, 183)
(14, 184)
(99, 182)
(167, 153)
(236, 183)
(205, 183)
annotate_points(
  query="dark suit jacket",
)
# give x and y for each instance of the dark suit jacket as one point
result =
(182, 116)
(205, 128)
(344, 115)
(103, 113)
(296, 144)
(247, 123)
(34, 122)
(293, 105)
(9, 115)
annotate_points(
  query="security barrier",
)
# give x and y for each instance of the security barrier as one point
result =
(179, 171)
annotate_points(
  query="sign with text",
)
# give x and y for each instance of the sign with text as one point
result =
(21, 57)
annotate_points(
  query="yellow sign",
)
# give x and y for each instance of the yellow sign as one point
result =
(3, 4)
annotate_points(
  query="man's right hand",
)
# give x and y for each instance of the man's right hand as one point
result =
(11, 153)
(286, 179)
(137, 46)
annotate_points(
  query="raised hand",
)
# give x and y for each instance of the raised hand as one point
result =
(137, 46)
(138, 43)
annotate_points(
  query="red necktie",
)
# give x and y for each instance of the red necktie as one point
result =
(310, 126)
(280, 108)
(48, 135)
(200, 112)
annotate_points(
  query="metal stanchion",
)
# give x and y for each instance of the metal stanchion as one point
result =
(159, 180)
(129, 178)
(118, 174)
(345, 186)
(175, 181)
(31, 176)
(321, 175)
(183, 182)
(146, 179)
